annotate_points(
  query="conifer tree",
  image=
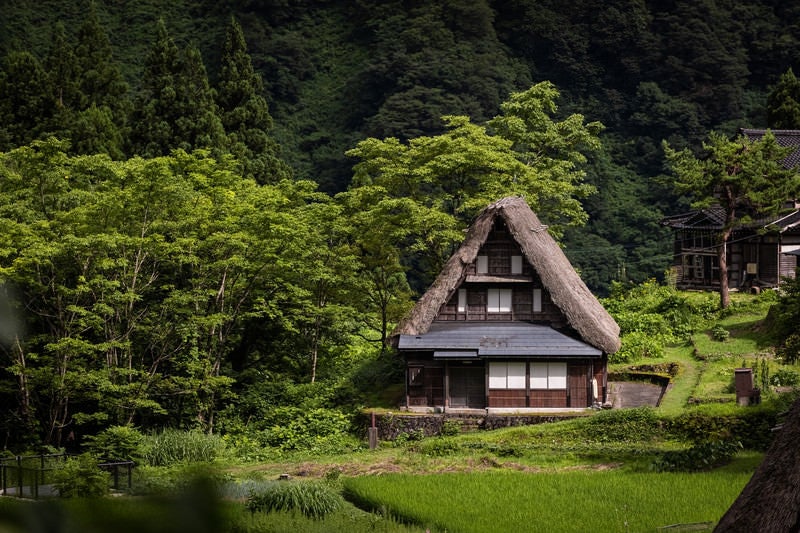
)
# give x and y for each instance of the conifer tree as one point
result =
(198, 125)
(783, 103)
(62, 81)
(101, 80)
(245, 112)
(26, 104)
(175, 107)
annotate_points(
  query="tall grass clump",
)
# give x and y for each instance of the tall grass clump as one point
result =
(313, 500)
(172, 446)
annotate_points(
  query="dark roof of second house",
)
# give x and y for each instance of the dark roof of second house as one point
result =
(569, 293)
(784, 138)
(713, 218)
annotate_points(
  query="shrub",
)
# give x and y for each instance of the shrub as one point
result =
(720, 334)
(703, 456)
(438, 447)
(81, 477)
(623, 425)
(173, 446)
(318, 430)
(451, 428)
(121, 443)
(313, 500)
(785, 377)
(638, 345)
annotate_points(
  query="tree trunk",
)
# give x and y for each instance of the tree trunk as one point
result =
(724, 295)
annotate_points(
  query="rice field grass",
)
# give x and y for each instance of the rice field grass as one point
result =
(609, 501)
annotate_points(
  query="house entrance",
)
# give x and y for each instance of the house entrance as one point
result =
(579, 380)
(467, 386)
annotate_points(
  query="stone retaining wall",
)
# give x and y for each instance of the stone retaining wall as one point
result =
(392, 425)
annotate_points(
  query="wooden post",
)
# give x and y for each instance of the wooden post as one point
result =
(373, 434)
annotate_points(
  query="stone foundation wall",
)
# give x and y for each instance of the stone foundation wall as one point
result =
(390, 426)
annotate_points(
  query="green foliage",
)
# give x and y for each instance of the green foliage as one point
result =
(785, 377)
(451, 428)
(622, 425)
(80, 477)
(316, 430)
(783, 103)
(173, 446)
(118, 443)
(719, 333)
(700, 457)
(638, 345)
(313, 500)
(437, 447)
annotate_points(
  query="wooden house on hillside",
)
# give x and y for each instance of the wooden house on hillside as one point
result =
(507, 324)
(756, 253)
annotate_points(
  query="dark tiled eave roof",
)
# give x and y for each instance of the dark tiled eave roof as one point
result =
(712, 219)
(784, 138)
(499, 339)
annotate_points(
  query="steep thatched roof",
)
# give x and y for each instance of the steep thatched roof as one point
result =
(770, 502)
(567, 290)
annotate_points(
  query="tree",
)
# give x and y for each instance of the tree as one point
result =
(783, 103)
(522, 151)
(101, 81)
(175, 108)
(745, 178)
(245, 114)
(26, 103)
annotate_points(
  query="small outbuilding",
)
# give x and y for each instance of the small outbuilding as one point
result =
(508, 324)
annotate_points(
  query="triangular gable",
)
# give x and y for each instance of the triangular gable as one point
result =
(569, 293)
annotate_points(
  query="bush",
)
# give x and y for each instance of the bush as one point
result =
(638, 345)
(623, 425)
(313, 500)
(81, 477)
(318, 430)
(785, 377)
(119, 443)
(451, 428)
(699, 457)
(173, 446)
(720, 334)
(438, 447)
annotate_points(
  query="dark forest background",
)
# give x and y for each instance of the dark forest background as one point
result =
(335, 73)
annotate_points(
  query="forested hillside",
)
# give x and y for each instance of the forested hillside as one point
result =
(335, 73)
(210, 197)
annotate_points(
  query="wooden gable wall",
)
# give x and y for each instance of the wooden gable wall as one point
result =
(530, 301)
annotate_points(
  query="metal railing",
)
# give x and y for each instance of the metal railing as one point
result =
(30, 476)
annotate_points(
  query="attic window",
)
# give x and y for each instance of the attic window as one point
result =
(462, 300)
(516, 264)
(482, 264)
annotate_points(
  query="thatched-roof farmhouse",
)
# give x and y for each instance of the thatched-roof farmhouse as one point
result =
(507, 324)
(770, 502)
